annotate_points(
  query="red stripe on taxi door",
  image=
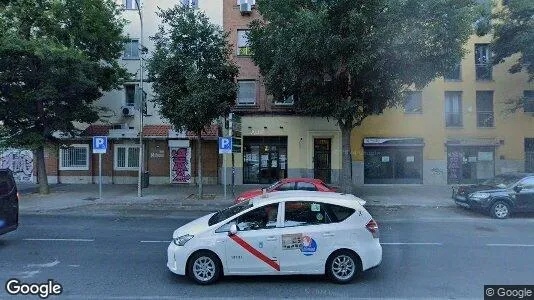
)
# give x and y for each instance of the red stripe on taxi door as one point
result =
(255, 252)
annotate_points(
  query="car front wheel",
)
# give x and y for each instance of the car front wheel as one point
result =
(343, 267)
(500, 210)
(204, 268)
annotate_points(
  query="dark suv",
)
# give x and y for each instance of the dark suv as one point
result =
(9, 202)
(499, 196)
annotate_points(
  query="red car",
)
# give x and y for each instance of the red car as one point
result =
(288, 184)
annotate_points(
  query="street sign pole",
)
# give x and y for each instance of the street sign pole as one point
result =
(225, 146)
(224, 178)
(100, 175)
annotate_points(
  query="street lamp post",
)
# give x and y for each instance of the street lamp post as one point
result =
(141, 103)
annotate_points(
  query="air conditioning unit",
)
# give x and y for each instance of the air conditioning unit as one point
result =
(128, 111)
(245, 8)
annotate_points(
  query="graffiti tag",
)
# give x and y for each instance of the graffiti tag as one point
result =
(180, 165)
(20, 162)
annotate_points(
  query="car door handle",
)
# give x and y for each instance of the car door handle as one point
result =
(271, 238)
(326, 234)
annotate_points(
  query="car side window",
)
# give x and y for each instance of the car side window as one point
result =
(6, 183)
(303, 213)
(263, 217)
(306, 186)
(527, 183)
(286, 187)
(338, 213)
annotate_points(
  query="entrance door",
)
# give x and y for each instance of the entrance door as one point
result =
(322, 165)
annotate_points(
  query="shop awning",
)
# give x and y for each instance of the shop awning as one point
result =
(393, 142)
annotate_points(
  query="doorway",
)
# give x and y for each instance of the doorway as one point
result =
(322, 159)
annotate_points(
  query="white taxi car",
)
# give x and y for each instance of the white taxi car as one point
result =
(279, 233)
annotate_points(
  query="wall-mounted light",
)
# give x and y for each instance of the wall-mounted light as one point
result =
(250, 127)
(264, 127)
(281, 127)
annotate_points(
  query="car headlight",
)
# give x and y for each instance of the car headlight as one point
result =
(181, 240)
(479, 196)
(241, 199)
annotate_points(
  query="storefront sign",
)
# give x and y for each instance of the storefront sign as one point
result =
(385, 159)
(158, 154)
(180, 165)
(472, 159)
(410, 158)
(485, 156)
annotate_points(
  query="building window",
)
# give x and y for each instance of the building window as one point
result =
(453, 109)
(130, 4)
(528, 101)
(251, 2)
(75, 157)
(455, 74)
(413, 102)
(131, 50)
(243, 46)
(483, 62)
(485, 116)
(289, 100)
(129, 94)
(247, 92)
(190, 3)
(126, 157)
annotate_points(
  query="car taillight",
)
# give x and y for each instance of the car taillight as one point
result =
(372, 226)
(18, 196)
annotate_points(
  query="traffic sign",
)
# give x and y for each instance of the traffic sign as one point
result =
(100, 144)
(225, 144)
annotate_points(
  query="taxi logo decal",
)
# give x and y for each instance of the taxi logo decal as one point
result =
(255, 252)
(309, 246)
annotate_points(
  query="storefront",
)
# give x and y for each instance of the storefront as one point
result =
(393, 160)
(264, 159)
(470, 161)
(529, 155)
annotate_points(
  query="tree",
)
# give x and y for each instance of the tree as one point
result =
(514, 35)
(56, 59)
(347, 60)
(193, 78)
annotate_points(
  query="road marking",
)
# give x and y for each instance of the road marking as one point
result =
(47, 265)
(509, 245)
(60, 240)
(154, 241)
(416, 244)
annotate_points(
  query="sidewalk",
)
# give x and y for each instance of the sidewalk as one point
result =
(169, 198)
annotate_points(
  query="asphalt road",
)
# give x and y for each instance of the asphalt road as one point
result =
(428, 253)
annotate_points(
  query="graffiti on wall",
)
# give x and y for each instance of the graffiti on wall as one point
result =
(20, 162)
(180, 165)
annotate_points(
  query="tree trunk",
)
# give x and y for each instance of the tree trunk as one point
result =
(199, 162)
(41, 171)
(346, 167)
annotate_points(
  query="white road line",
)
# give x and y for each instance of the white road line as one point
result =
(416, 244)
(46, 265)
(154, 241)
(509, 245)
(61, 240)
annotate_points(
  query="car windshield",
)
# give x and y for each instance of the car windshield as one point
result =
(228, 212)
(502, 181)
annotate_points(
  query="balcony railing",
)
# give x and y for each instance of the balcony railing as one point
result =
(453, 119)
(485, 119)
(484, 71)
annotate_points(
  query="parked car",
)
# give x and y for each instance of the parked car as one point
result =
(9, 202)
(288, 184)
(281, 233)
(499, 196)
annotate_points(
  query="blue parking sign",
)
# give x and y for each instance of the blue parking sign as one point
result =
(100, 144)
(225, 144)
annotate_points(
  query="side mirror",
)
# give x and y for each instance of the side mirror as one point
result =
(518, 188)
(233, 230)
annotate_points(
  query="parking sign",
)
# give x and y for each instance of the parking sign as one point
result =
(225, 144)
(100, 144)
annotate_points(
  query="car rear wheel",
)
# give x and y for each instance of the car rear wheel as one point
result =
(343, 267)
(500, 210)
(204, 268)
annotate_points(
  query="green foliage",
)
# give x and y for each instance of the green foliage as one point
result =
(347, 59)
(193, 78)
(56, 59)
(514, 34)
